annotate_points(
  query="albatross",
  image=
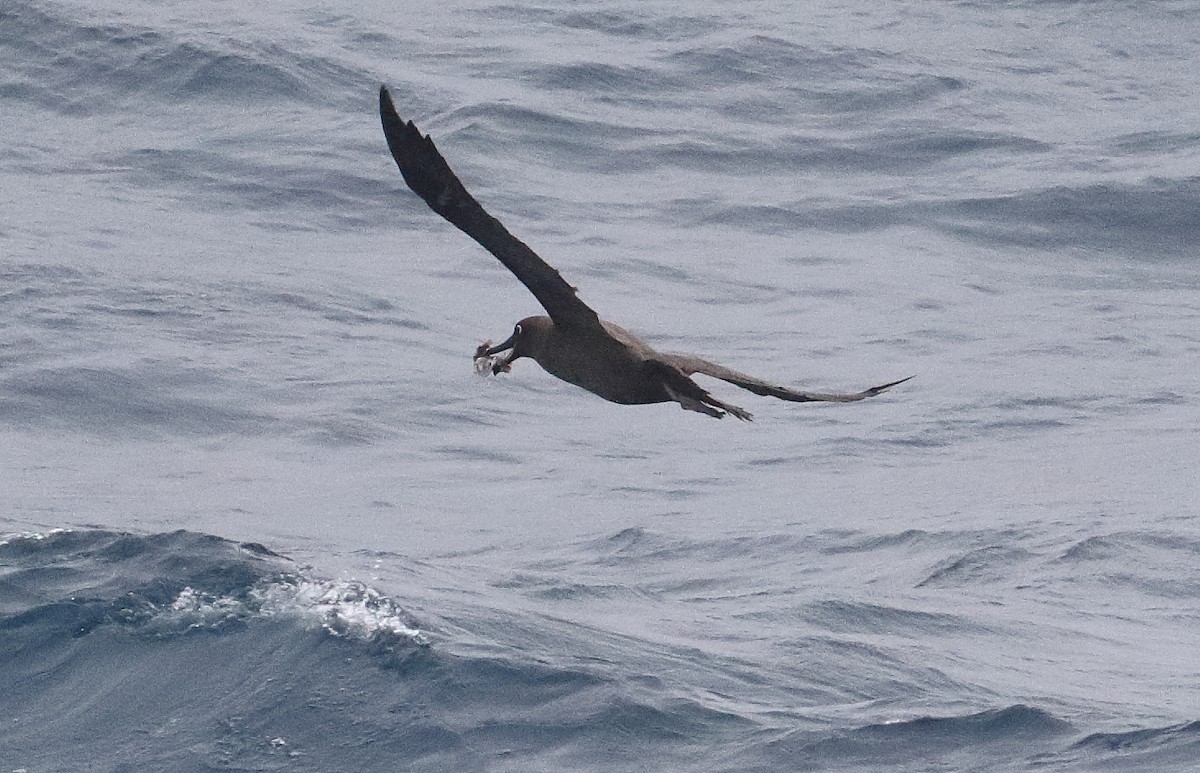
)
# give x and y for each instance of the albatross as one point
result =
(572, 342)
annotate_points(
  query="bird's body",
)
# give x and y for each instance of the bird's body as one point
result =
(618, 356)
(572, 343)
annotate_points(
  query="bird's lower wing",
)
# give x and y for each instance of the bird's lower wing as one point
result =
(691, 365)
(430, 177)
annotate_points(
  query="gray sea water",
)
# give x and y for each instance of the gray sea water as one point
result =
(258, 513)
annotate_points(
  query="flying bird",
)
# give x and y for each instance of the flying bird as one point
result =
(572, 342)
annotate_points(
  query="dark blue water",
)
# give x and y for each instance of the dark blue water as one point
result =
(181, 651)
(257, 512)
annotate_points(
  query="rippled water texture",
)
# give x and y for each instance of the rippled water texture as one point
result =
(258, 512)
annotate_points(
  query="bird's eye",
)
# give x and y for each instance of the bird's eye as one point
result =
(517, 330)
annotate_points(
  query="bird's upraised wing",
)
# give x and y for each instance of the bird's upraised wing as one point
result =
(430, 177)
(690, 365)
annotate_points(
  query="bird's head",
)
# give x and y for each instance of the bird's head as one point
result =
(527, 339)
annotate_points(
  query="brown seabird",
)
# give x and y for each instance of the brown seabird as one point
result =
(573, 343)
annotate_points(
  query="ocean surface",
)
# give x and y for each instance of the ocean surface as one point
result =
(258, 513)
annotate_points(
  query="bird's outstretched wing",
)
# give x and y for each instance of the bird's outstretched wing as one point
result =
(431, 178)
(690, 365)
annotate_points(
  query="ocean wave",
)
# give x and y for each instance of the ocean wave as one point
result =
(1168, 748)
(115, 70)
(1144, 561)
(1187, 733)
(270, 187)
(892, 151)
(635, 24)
(621, 83)
(989, 564)
(63, 51)
(930, 740)
(118, 401)
(830, 80)
(174, 584)
(1144, 220)
(187, 652)
(1153, 217)
(180, 371)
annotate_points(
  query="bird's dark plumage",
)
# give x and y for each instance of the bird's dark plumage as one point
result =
(430, 177)
(573, 343)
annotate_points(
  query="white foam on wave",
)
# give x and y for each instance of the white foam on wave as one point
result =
(343, 608)
(29, 535)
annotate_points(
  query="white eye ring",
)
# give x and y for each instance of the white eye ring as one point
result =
(517, 329)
